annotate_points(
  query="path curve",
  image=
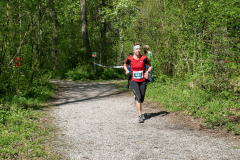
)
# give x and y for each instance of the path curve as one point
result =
(98, 121)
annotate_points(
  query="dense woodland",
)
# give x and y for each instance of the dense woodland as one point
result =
(196, 41)
(196, 44)
(53, 37)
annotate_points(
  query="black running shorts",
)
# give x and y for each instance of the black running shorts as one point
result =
(138, 89)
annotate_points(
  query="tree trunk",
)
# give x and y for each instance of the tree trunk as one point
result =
(103, 35)
(86, 44)
(4, 45)
(188, 67)
(55, 33)
(40, 55)
(165, 36)
(121, 42)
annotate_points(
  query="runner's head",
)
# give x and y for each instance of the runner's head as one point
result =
(137, 50)
(130, 54)
(146, 48)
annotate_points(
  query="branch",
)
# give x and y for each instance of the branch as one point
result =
(20, 46)
(5, 39)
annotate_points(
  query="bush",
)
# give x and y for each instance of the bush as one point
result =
(87, 73)
(217, 109)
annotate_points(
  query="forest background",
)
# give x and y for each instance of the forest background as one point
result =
(196, 44)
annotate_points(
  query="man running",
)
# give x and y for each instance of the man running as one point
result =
(18, 64)
(137, 83)
(150, 56)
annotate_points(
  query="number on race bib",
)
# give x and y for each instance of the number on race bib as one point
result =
(137, 74)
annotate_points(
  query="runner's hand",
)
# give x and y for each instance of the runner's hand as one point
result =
(127, 72)
(146, 75)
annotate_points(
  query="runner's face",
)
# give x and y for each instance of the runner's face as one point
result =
(137, 51)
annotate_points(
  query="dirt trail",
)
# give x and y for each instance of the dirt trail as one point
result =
(98, 121)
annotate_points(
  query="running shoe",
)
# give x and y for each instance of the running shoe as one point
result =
(140, 119)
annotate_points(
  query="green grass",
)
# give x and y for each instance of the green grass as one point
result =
(22, 136)
(120, 85)
(214, 109)
(219, 110)
(33, 95)
(22, 132)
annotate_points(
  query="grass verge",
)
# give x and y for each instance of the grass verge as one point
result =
(23, 131)
(120, 84)
(216, 110)
(23, 135)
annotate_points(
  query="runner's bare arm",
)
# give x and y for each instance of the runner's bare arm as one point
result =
(146, 75)
(126, 69)
(149, 68)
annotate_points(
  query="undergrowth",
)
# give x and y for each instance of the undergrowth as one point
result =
(216, 109)
(222, 109)
(21, 133)
(86, 72)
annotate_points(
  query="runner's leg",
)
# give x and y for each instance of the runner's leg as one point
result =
(142, 87)
(129, 79)
(136, 90)
(139, 108)
(151, 78)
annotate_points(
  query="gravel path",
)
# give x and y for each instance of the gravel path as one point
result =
(98, 121)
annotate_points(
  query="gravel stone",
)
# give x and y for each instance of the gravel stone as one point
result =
(98, 121)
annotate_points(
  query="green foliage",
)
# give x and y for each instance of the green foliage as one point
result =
(87, 73)
(176, 31)
(221, 109)
(22, 92)
(21, 136)
(184, 30)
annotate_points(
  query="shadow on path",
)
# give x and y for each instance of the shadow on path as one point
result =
(90, 98)
(86, 92)
(150, 115)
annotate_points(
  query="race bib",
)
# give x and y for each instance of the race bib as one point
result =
(137, 74)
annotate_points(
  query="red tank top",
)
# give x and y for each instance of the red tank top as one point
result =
(138, 67)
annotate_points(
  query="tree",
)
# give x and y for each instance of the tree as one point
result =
(55, 33)
(85, 29)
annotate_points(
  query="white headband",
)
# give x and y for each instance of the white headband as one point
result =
(137, 46)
